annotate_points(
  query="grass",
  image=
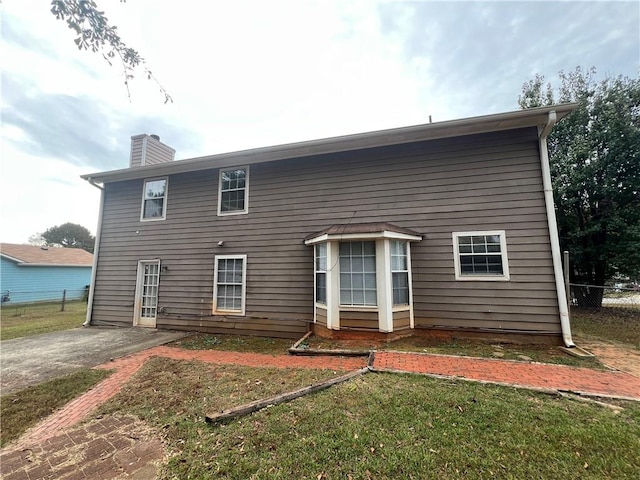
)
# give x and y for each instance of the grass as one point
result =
(468, 348)
(21, 410)
(607, 323)
(537, 353)
(379, 426)
(33, 319)
(235, 343)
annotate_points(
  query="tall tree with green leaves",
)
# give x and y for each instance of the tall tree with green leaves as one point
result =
(595, 166)
(70, 235)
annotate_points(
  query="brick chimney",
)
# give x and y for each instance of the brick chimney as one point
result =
(149, 150)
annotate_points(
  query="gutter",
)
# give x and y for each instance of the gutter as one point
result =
(96, 250)
(553, 230)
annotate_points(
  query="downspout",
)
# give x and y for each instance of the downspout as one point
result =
(96, 249)
(553, 230)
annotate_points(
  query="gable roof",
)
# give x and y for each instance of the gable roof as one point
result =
(30, 255)
(531, 117)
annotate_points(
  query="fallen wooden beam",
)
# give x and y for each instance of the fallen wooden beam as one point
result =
(335, 353)
(249, 408)
(306, 335)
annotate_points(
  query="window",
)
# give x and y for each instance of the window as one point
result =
(230, 284)
(154, 199)
(481, 255)
(400, 272)
(233, 194)
(358, 273)
(321, 273)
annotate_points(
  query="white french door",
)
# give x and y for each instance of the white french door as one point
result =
(146, 303)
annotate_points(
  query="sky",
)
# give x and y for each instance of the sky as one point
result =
(246, 74)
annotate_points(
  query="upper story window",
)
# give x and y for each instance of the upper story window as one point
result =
(481, 255)
(233, 191)
(358, 273)
(154, 199)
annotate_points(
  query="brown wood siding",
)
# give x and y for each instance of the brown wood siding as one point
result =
(401, 319)
(362, 320)
(480, 182)
(135, 159)
(157, 153)
(321, 316)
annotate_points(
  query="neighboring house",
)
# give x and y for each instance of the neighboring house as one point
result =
(445, 227)
(32, 274)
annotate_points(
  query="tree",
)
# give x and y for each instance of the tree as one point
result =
(595, 166)
(70, 235)
(94, 33)
(37, 239)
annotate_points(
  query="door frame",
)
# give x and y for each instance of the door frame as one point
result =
(148, 322)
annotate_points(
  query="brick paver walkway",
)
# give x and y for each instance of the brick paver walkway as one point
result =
(125, 367)
(508, 372)
(29, 456)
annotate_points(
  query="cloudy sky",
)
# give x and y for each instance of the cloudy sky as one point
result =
(247, 74)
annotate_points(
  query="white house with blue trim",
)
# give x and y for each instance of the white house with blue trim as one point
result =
(36, 274)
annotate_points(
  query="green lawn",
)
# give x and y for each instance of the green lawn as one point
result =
(608, 323)
(21, 410)
(382, 426)
(32, 319)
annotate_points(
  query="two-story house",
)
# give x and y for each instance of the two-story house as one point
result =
(444, 227)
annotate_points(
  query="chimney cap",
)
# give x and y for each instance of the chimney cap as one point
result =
(153, 135)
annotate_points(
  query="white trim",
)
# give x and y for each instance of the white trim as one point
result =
(410, 278)
(164, 203)
(215, 309)
(563, 307)
(384, 285)
(9, 257)
(349, 237)
(137, 306)
(246, 191)
(504, 277)
(94, 270)
(333, 286)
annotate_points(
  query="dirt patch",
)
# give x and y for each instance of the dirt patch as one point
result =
(615, 355)
(111, 447)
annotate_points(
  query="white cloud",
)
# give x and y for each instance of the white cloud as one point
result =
(253, 73)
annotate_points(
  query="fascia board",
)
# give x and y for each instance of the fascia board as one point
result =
(362, 236)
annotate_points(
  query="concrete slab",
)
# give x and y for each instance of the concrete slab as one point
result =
(32, 360)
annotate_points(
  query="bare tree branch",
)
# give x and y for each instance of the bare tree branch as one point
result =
(94, 33)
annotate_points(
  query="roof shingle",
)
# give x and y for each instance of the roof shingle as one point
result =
(30, 254)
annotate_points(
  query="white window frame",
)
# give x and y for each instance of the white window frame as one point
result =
(246, 191)
(504, 277)
(164, 203)
(221, 311)
(322, 271)
(375, 273)
(406, 272)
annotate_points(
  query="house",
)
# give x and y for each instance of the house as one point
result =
(33, 274)
(443, 228)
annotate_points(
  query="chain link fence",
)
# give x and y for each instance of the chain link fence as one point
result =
(11, 298)
(606, 313)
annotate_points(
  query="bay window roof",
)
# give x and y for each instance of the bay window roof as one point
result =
(363, 231)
